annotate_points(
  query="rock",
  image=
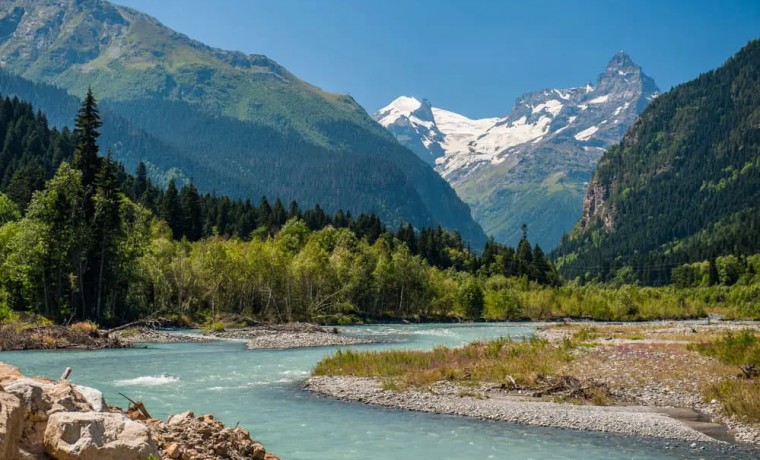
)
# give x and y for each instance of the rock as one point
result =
(179, 419)
(258, 452)
(173, 451)
(11, 424)
(28, 390)
(93, 397)
(97, 436)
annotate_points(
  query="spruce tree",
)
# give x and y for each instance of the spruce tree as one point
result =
(171, 211)
(192, 213)
(87, 124)
(141, 183)
(106, 228)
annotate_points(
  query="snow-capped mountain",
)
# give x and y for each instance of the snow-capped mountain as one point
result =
(550, 141)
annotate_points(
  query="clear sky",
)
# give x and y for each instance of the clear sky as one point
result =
(474, 57)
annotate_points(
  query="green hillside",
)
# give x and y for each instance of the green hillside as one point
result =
(682, 186)
(237, 124)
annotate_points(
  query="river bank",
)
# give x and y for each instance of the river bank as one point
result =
(87, 336)
(490, 404)
(636, 379)
(42, 419)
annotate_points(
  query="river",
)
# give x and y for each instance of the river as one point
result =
(262, 391)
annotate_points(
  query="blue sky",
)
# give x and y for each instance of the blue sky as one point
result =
(473, 57)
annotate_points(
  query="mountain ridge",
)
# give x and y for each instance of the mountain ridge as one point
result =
(328, 148)
(682, 186)
(510, 169)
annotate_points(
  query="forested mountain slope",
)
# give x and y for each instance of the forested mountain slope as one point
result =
(237, 124)
(682, 186)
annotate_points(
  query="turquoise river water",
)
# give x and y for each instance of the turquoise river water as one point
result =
(262, 391)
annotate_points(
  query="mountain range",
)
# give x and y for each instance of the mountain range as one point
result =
(682, 186)
(532, 165)
(237, 124)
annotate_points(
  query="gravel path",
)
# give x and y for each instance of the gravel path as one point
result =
(627, 420)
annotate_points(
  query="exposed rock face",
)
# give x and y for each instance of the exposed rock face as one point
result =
(595, 206)
(97, 436)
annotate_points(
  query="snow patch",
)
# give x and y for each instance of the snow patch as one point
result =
(600, 99)
(586, 133)
(552, 106)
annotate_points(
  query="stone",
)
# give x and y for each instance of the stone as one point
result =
(259, 453)
(173, 451)
(179, 419)
(97, 436)
(11, 424)
(31, 391)
(93, 397)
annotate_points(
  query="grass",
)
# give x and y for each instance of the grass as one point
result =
(738, 397)
(739, 349)
(502, 361)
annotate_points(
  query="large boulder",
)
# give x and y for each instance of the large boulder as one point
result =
(35, 406)
(97, 436)
(93, 397)
(11, 424)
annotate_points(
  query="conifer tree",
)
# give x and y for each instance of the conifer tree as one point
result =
(191, 212)
(87, 125)
(105, 227)
(170, 209)
(141, 183)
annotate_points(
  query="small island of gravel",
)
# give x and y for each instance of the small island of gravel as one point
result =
(289, 335)
(664, 380)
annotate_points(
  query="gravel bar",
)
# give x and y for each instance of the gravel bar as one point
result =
(290, 335)
(626, 420)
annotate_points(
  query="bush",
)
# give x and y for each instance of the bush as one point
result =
(84, 327)
(217, 326)
(742, 349)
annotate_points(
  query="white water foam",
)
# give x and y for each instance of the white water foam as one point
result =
(149, 380)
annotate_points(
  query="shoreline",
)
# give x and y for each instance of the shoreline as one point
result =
(673, 426)
(640, 421)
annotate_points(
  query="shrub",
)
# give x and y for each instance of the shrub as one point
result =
(84, 327)
(217, 326)
(741, 349)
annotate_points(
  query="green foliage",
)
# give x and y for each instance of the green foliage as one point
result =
(9, 210)
(176, 102)
(470, 298)
(739, 349)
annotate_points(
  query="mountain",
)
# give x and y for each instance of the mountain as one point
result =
(682, 186)
(532, 165)
(237, 124)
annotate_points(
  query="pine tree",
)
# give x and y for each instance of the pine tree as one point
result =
(105, 227)
(87, 124)
(141, 183)
(171, 211)
(192, 213)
